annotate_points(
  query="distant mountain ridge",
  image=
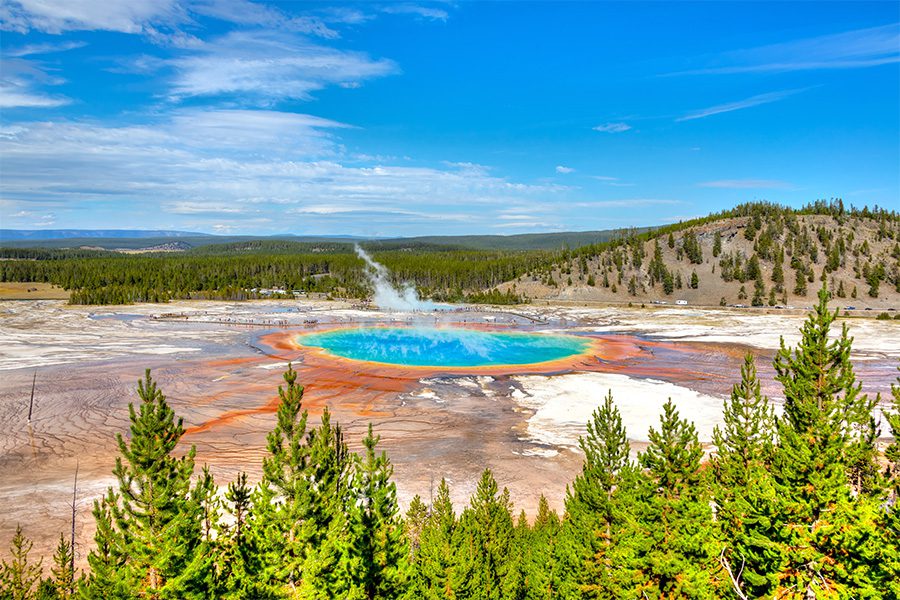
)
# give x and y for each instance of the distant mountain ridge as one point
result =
(59, 234)
(110, 239)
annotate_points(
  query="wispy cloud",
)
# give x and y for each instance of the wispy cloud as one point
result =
(268, 67)
(626, 203)
(20, 80)
(750, 102)
(855, 49)
(265, 169)
(56, 16)
(564, 170)
(611, 181)
(612, 127)
(33, 49)
(747, 184)
(427, 12)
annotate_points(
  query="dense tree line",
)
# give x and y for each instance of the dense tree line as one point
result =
(796, 506)
(240, 270)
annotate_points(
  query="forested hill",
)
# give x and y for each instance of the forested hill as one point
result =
(757, 254)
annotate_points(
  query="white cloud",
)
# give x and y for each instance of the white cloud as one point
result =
(269, 66)
(564, 170)
(435, 14)
(746, 184)
(280, 171)
(626, 203)
(739, 105)
(612, 127)
(56, 16)
(244, 12)
(159, 20)
(12, 96)
(32, 49)
(19, 80)
(611, 181)
(859, 48)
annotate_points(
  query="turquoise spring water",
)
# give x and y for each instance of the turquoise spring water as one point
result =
(444, 347)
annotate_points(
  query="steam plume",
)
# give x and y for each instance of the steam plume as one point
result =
(388, 297)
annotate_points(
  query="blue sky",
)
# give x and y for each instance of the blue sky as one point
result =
(381, 119)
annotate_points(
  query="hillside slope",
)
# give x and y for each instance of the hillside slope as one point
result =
(758, 254)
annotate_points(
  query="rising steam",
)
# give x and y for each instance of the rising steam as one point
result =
(388, 297)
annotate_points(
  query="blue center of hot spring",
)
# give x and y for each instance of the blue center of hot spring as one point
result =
(445, 347)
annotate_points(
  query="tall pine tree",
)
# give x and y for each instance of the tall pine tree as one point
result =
(744, 491)
(824, 468)
(436, 559)
(378, 548)
(149, 530)
(680, 556)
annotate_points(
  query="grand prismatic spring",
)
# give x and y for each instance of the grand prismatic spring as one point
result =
(447, 348)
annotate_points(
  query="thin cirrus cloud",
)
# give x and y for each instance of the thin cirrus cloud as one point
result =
(20, 79)
(426, 12)
(564, 170)
(747, 184)
(612, 127)
(275, 173)
(269, 66)
(35, 49)
(57, 16)
(860, 48)
(159, 20)
(750, 102)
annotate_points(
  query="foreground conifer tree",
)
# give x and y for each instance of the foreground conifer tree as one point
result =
(485, 543)
(434, 562)
(824, 469)
(596, 514)
(282, 504)
(149, 530)
(890, 525)
(378, 561)
(19, 575)
(679, 550)
(744, 491)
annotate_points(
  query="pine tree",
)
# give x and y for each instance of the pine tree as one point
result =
(680, 553)
(536, 554)
(485, 541)
(237, 556)
(416, 516)
(327, 570)
(378, 548)
(435, 564)
(63, 576)
(595, 518)
(107, 578)
(825, 452)
(19, 576)
(151, 527)
(890, 525)
(744, 491)
(281, 504)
